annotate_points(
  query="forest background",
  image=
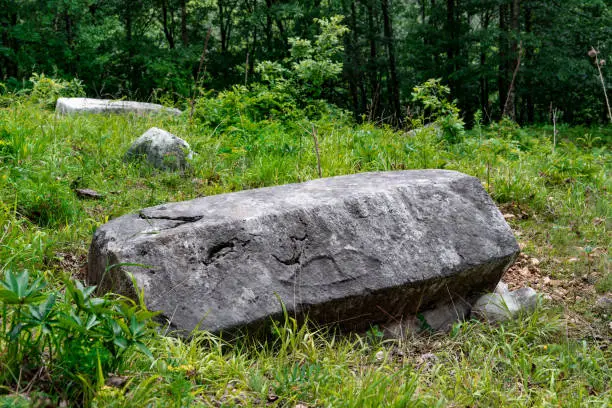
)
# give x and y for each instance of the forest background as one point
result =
(161, 50)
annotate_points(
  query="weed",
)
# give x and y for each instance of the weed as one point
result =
(63, 338)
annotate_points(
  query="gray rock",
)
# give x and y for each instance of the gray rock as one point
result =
(526, 299)
(68, 106)
(494, 307)
(401, 329)
(604, 303)
(500, 307)
(439, 318)
(355, 250)
(502, 288)
(88, 193)
(444, 316)
(161, 149)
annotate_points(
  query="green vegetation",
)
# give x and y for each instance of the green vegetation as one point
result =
(166, 49)
(62, 341)
(59, 343)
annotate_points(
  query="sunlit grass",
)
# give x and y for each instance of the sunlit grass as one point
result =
(562, 206)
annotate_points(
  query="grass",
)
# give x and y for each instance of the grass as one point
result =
(557, 203)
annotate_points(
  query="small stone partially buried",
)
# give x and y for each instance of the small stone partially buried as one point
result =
(160, 149)
(505, 305)
(88, 193)
(353, 250)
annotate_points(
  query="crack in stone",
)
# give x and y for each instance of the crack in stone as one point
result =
(185, 218)
(296, 257)
(223, 249)
(294, 260)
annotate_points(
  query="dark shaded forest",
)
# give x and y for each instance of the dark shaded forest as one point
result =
(519, 58)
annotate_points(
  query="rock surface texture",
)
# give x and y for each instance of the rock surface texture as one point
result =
(354, 250)
(67, 106)
(161, 149)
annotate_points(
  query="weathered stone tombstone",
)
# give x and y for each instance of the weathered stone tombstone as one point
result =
(353, 250)
(161, 149)
(69, 106)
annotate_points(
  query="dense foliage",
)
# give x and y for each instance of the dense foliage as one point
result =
(152, 48)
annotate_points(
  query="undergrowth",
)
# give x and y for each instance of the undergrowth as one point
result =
(51, 352)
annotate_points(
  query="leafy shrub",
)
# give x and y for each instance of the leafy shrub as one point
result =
(290, 92)
(70, 336)
(565, 168)
(240, 103)
(310, 66)
(436, 108)
(46, 91)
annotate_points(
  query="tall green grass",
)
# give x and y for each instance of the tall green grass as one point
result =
(560, 199)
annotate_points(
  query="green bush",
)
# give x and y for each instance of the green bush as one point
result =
(46, 91)
(73, 336)
(310, 66)
(432, 97)
(240, 103)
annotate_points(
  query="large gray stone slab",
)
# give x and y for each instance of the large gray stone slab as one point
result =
(354, 250)
(67, 106)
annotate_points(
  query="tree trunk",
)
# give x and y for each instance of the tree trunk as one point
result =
(393, 83)
(450, 28)
(451, 40)
(70, 41)
(529, 58)
(282, 32)
(502, 73)
(433, 24)
(351, 68)
(510, 107)
(254, 49)
(184, 34)
(484, 81)
(167, 32)
(372, 63)
(226, 10)
(269, 34)
(8, 66)
(128, 32)
(423, 6)
(220, 6)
